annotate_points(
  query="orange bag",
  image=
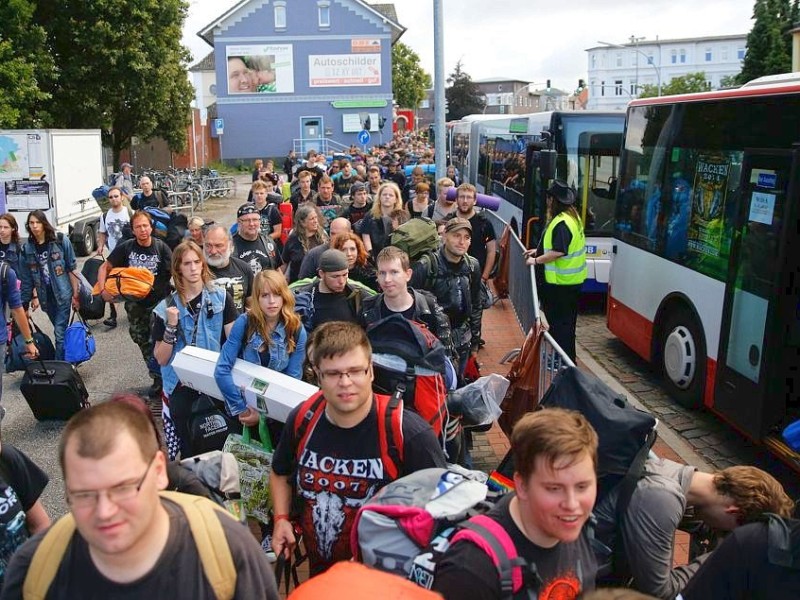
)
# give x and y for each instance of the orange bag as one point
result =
(128, 283)
(360, 583)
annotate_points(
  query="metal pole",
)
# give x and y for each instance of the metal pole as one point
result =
(438, 87)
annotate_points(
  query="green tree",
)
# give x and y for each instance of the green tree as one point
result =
(409, 80)
(464, 97)
(25, 65)
(729, 81)
(121, 67)
(685, 84)
(769, 43)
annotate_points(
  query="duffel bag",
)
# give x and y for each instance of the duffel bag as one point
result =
(128, 283)
(16, 348)
(79, 345)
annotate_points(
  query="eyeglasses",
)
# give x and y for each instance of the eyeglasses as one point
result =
(114, 197)
(117, 494)
(353, 375)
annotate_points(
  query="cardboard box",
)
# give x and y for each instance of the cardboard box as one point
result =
(270, 392)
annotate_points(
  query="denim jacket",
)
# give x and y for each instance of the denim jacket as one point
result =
(209, 330)
(237, 347)
(61, 261)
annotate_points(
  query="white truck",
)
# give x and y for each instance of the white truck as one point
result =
(54, 170)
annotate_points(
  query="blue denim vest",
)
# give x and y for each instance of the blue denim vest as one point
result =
(209, 329)
(61, 261)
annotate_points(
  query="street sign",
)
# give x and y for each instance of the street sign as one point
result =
(363, 137)
(219, 125)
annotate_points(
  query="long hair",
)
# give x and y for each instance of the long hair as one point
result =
(12, 222)
(177, 258)
(49, 230)
(557, 208)
(256, 319)
(320, 237)
(398, 199)
(339, 240)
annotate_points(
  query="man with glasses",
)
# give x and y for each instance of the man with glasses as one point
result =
(252, 246)
(122, 538)
(332, 446)
(110, 233)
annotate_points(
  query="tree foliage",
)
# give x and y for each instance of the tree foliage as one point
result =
(769, 43)
(25, 66)
(463, 95)
(685, 84)
(409, 79)
(121, 67)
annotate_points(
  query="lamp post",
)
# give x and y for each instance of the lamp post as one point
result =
(649, 60)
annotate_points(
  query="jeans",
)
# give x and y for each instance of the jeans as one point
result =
(59, 317)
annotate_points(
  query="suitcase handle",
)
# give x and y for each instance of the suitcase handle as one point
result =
(43, 373)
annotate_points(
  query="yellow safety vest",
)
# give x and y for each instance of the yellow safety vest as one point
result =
(569, 269)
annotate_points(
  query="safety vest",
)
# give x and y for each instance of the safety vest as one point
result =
(569, 269)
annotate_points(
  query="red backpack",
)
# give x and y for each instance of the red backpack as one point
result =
(390, 428)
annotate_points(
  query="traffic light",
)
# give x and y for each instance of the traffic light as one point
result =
(548, 85)
(381, 122)
(581, 85)
(367, 123)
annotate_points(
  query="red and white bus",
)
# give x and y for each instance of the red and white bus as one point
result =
(705, 277)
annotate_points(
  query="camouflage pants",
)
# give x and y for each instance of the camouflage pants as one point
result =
(139, 327)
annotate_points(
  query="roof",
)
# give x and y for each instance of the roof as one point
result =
(640, 43)
(205, 64)
(499, 80)
(386, 12)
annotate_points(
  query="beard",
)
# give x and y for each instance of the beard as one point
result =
(219, 261)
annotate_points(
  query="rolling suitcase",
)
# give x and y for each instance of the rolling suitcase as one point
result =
(54, 390)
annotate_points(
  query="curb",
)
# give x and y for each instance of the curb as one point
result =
(665, 434)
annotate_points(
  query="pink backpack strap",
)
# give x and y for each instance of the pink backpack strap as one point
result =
(489, 536)
(414, 521)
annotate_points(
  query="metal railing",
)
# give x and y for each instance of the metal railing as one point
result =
(323, 145)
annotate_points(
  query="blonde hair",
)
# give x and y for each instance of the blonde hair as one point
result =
(257, 320)
(398, 199)
(177, 258)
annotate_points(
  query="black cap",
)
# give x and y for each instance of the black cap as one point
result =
(246, 209)
(562, 192)
(358, 186)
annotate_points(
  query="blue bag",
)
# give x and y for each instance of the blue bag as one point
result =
(16, 348)
(79, 344)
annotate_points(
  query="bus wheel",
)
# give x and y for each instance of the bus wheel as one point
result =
(683, 359)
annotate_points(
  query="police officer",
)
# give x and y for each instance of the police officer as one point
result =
(562, 252)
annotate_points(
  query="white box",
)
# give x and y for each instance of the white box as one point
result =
(270, 392)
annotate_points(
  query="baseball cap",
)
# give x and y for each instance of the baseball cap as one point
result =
(457, 223)
(358, 186)
(246, 209)
(332, 261)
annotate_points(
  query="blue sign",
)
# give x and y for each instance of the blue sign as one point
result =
(767, 180)
(219, 125)
(363, 137)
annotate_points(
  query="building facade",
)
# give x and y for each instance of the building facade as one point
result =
(618, 71)
(305, 74)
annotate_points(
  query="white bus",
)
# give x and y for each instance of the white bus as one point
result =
(502, 155)
(705, 279)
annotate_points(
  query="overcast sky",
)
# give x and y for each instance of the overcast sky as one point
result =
(531, 40)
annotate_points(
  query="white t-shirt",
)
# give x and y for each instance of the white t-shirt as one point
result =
(111, 224)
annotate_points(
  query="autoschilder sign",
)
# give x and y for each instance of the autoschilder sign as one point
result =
(331, 70)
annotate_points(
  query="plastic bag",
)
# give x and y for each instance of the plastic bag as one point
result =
(255, 465)
(478, 403)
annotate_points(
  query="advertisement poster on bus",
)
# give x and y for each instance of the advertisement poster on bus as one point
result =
(260, 69)
(344, 70)
(708, 205)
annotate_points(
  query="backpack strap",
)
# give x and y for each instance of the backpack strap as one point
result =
(305, 421)
(390, 431)
(4, 280)
(209, 538)
(47, 559)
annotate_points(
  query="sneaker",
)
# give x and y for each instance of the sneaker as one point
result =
(266, 546)
(155, 388)
(111, 322)
(481, 343)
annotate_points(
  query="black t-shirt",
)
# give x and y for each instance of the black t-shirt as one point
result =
(332, 307)
(561, 239)
(178, 573)
(293, 254)
(229, 315)
(341, 468)
(154, 200)
(740, 568)
(236, 278)
(355, 213)
(482, 234)
(10, 253)
(260, 254)
(21, 484)
(156, 258)
(466, 572)
(408, 313)
(270, 218)
(43, 257)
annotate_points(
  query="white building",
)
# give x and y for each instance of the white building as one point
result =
(617, 71)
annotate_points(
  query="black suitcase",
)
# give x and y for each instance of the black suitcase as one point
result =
(54, 390)
(92, 307)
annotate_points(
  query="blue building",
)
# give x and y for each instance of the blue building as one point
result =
(300, 74)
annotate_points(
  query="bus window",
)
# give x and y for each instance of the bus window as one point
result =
(597, 163)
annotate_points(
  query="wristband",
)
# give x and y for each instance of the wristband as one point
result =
(169, 338)
(276, 518)
(30, 341)
(171, 328)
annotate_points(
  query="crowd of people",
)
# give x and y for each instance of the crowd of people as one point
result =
(302, 303)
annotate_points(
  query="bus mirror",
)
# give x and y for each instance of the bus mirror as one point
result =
(547, 164)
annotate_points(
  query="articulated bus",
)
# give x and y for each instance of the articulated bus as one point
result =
(705, 279)
(502, 155)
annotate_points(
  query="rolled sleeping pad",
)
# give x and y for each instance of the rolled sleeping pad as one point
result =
(481, 200)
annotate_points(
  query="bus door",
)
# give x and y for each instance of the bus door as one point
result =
(757, 361)
(534, 207)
